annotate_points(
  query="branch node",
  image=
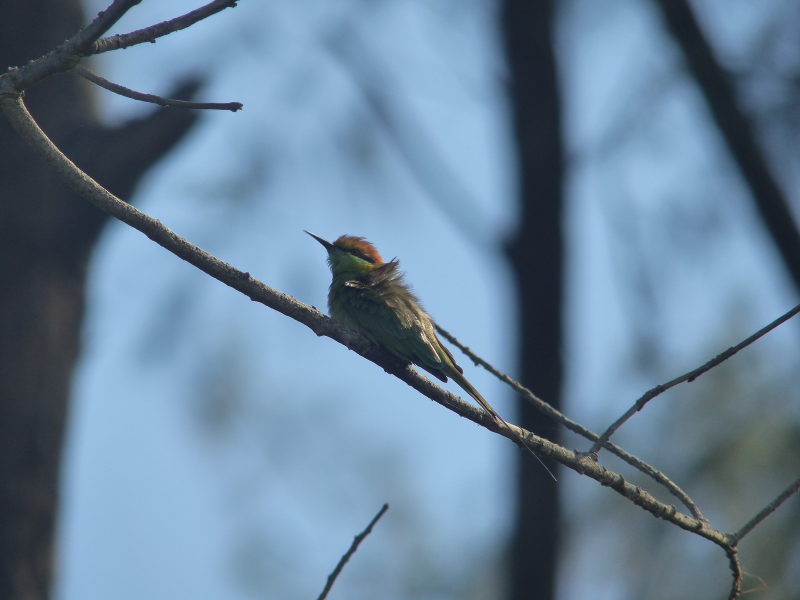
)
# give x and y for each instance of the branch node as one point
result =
(690, 376)
(583, 457)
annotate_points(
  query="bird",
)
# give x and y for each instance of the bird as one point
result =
(371, 295)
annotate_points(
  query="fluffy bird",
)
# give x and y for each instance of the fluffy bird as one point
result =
(370, 295)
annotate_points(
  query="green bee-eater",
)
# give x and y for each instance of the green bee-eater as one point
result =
(370, 295)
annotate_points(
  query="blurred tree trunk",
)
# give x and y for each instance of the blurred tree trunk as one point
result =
(537, 258)
(719, 91)
(46, 235)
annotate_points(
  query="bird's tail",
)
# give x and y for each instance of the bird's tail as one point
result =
(467, 387)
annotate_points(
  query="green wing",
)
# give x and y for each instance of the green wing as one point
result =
(392, 318)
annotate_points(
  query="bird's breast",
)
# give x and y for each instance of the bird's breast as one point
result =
(347, 303)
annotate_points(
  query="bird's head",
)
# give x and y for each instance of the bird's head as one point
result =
(350, 254)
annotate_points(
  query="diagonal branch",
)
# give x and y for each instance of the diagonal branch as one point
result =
(26, 126)
(690, 376)
(559, 417)
(149, 34)
(28, 129)
(352, 550)
(765, 512)
(128, 93)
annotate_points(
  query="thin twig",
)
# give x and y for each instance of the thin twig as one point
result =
(735, 538)
(128, 93)
(14, 109)
(556, 415)
(690, 376)
(149, 34)
(353, 547)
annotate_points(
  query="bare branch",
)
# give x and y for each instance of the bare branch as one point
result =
(690, 376)
(65, 56)
(128, 93)
(104, 21)
(353, 547)
(793, 488)
(149, 34)
(15, 111)
(559, 417)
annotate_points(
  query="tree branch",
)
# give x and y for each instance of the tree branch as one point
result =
(690, 376)
(352, 550)
(134, 95)
(559, 417)
(149, 34)
(322, 325)
(764, 513)
(15, 111)
(65, 56)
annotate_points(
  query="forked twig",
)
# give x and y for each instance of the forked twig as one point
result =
(559, 417)
(149, 34)
(353, 547)
(63, 57)
(690, 376)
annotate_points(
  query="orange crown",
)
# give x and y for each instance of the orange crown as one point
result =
(352, 242)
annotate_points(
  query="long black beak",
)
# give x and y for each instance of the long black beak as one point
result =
(328, 246)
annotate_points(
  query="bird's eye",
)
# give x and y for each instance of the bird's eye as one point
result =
(357, 253)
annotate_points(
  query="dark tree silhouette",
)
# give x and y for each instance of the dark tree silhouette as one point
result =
(46, 235)
(737, 130)
(537, 257)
